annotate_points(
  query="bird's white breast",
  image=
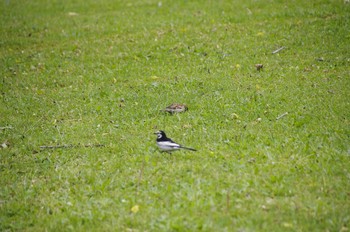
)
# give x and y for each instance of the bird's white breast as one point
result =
(168, 146)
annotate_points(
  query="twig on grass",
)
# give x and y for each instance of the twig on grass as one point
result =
(278, 50)
(71, 146)
(6, 127)
(281, 116)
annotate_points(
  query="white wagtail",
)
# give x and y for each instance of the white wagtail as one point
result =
(168, 145)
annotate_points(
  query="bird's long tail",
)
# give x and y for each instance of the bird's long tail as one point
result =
(188, 148)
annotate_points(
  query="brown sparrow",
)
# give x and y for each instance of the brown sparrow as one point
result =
(176, 108)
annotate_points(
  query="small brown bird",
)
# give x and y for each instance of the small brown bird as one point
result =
(176, 108)
(259, 67)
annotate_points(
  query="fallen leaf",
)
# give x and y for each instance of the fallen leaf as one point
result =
(135, 208)
(72, 14)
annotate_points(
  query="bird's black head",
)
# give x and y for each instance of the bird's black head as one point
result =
(160, 134)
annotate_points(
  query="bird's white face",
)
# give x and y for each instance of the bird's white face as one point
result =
(159, 134)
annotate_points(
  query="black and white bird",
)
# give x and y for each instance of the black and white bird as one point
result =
(168, 145)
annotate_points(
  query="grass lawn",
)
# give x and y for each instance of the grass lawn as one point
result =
(273, 144)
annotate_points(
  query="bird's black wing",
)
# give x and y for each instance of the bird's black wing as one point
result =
(169, 140)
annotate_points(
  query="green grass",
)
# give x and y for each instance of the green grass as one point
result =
(102, 75)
